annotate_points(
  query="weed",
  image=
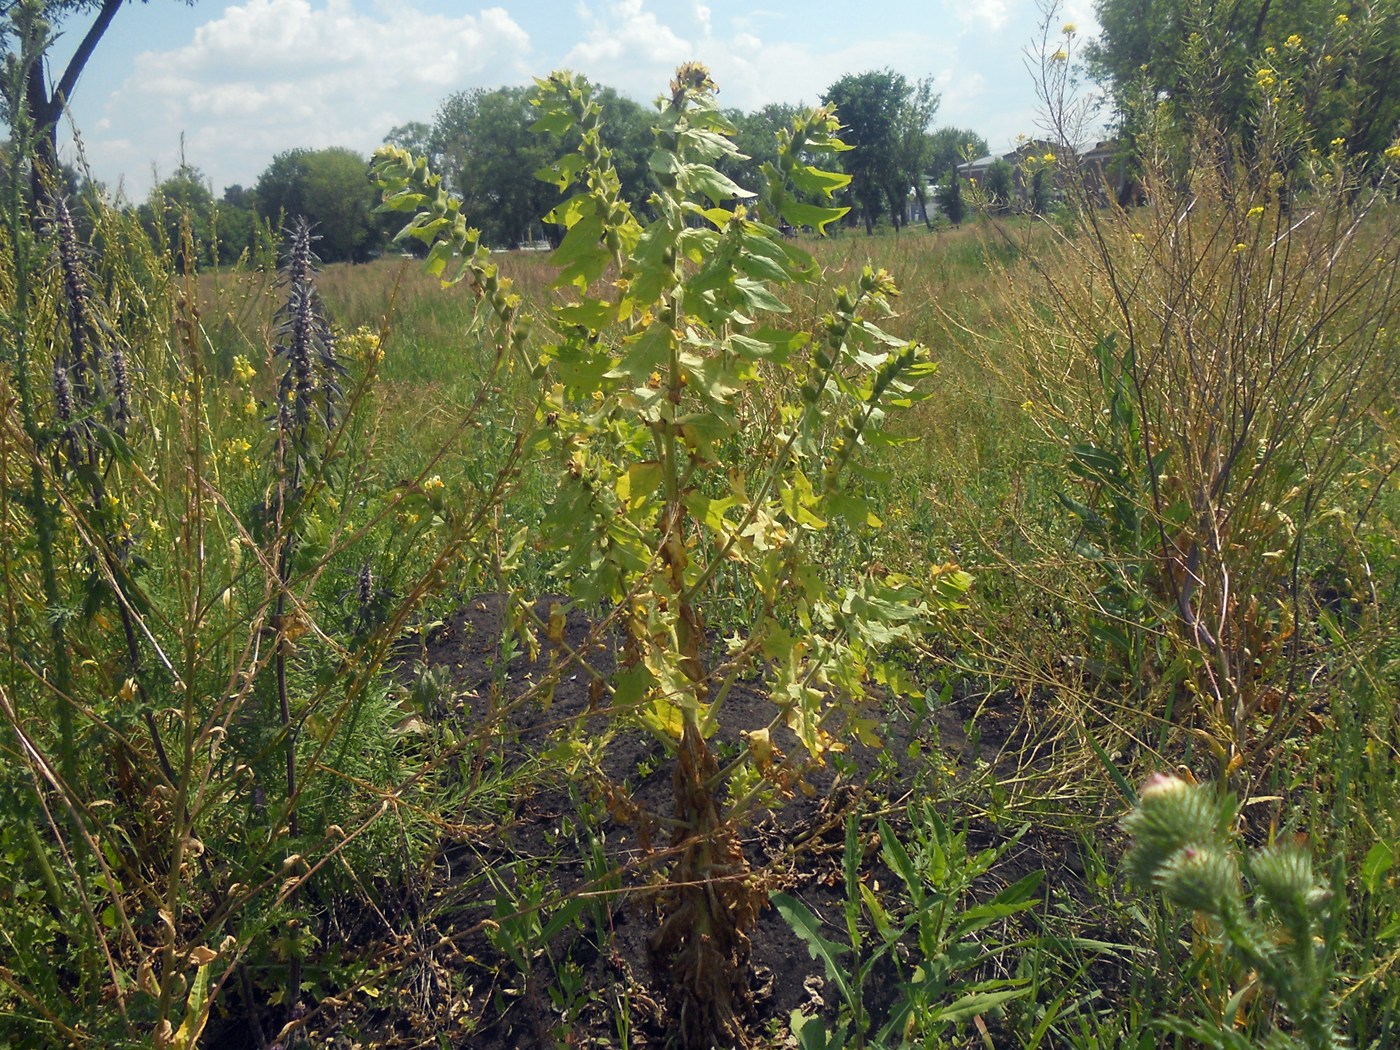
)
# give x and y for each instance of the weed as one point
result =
(932, 937)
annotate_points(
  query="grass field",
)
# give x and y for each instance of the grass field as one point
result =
(305, 741)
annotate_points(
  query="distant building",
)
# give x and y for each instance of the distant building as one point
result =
(1105, 173)
(914, 212)
(1101, 168)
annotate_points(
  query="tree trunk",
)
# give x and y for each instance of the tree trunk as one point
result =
(922, 197)
(46, 108)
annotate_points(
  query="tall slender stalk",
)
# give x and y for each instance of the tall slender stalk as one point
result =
(41, 504)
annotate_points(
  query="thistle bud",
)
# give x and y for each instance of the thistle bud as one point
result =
(1203, 880)
(1172, 815)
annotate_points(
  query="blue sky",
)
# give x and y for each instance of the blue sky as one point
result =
(242, 80)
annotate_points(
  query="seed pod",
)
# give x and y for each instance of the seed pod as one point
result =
(63, 395)
(364, 591)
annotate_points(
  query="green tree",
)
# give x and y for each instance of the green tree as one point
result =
(949, 147)
(413, 136)
(915, 154)
(330, 188)
(184, 197)
(482, 141)
(950, 198)
(999, 187)
(489, 158)
(756, 136)
(869, 105)
(239, 227)
(626, 132)
(1042, 184)
(886, 119)
(1192, 61)
(280, 193)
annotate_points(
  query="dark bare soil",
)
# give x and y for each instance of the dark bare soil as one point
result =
(594, 985)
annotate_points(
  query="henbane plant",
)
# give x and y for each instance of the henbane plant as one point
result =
(704, 451)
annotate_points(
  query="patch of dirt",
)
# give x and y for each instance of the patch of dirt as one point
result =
(594, 986)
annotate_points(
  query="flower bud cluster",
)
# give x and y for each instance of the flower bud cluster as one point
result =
(310, 386)
(94, 366)
(1182, 846)
(1285, 932)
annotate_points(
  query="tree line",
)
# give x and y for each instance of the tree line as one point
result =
(1333, 63)
(482, 141)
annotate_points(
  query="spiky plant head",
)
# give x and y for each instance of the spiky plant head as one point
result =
(1204, 880)
(364, 585)
(300, 264)
(63, 400)
(691, 79)
(95, 362)
(77, 301)
(120, 408)
(310, 387)
(1170, 816)
(1283, 877)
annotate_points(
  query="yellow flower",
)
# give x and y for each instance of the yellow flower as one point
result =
(1241, 247)
(1049, 158)
(363, 344)
(250, 407)
(433, 484)
(1060, 56)
(242, 370)
(1068, 29)
(1255, 211)
(1265, 78)
(1137, 236)
(1027, 406)
(1392, 152)
(1294, 42)
(1341, 20)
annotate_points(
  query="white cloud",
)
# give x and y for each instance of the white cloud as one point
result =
(270, 75)
(629, 46)
(988, 14)
(626, 36)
